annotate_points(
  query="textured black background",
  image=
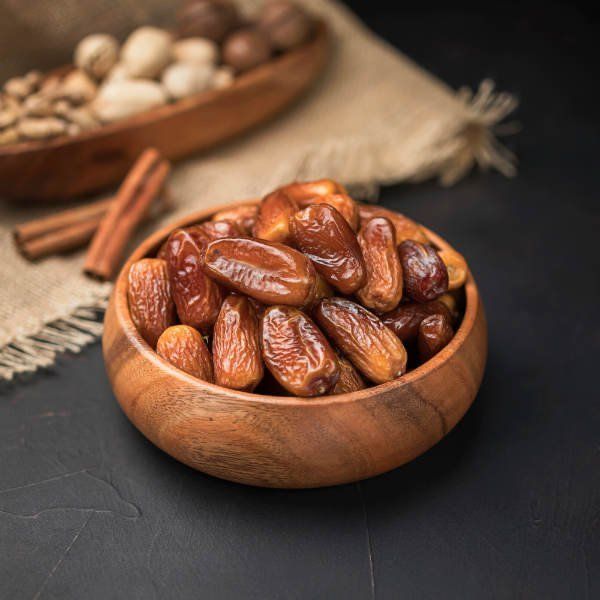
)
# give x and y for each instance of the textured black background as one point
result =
(507, 506)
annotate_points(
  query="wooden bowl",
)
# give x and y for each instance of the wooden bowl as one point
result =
(290, 442)
(70, 166)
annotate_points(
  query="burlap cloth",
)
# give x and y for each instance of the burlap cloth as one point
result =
(375, 117)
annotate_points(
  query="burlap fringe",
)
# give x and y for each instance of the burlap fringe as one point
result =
(72, 333)
(474, 143)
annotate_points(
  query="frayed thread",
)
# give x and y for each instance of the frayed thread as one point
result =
(72, 333)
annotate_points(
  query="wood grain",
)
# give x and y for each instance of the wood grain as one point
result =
(290, 442)
(66, 167)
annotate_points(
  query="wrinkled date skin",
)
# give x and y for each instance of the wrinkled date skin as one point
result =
(341, 202)
(197, 297)
(149, 294)
(243, 216)
(205, 233)
(404, 321)
(269, 272)
(406, 229)
(456, 265)
(301, 191)
(350, 380)
(236, 347)
(273, 219)
(424, 272)
(297, 353)
(383, 290)
(325, 237)
(184, 348)
(371, 347)
(435, 333)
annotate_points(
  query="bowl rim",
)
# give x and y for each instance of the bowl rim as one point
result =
(152, 242)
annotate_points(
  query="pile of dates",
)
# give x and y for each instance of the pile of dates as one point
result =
(329, 294)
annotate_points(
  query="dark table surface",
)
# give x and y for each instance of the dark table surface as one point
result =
(507, 506)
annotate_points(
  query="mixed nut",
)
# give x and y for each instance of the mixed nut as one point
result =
(211, 45)
(328, 294)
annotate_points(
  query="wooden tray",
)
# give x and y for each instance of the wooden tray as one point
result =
(65, 167)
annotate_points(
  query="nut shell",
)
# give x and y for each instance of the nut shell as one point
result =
(96, 54)
(119, 99)
(212, 19)
(146, 52)
(285, 24)
(246, 49)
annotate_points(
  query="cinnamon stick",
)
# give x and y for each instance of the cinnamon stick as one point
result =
(63, 231)
(141, 186)
(46, 225)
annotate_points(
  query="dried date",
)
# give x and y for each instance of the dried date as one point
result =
(424, 272)
(149, 294)
(300, 191)
(363, 338)
(404, 321)
(235, 345)
(243, 216)
(297, 353)
(341, 202)
(325, 237)
(273, 219)
(350, 379)
(197, 297)
(185, 348)
(435, 333)
(406, 229)
(382, 291)
(269, 272)
(456, 265)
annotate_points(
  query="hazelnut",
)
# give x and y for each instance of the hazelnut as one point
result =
(285, 24)
(96, 54)
(212, 19)
(246, 49)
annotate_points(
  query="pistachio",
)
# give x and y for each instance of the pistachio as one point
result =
(33, 79)
(96, 54)
(50, 87)
(18, 87)
(223, 77)
(186, 79)
(9, 136)
(80, 116)
(77, 87)
(146, 52)
(8, 117)
(119, 99)
(42, 128)
(37, 106)
(196, 50)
